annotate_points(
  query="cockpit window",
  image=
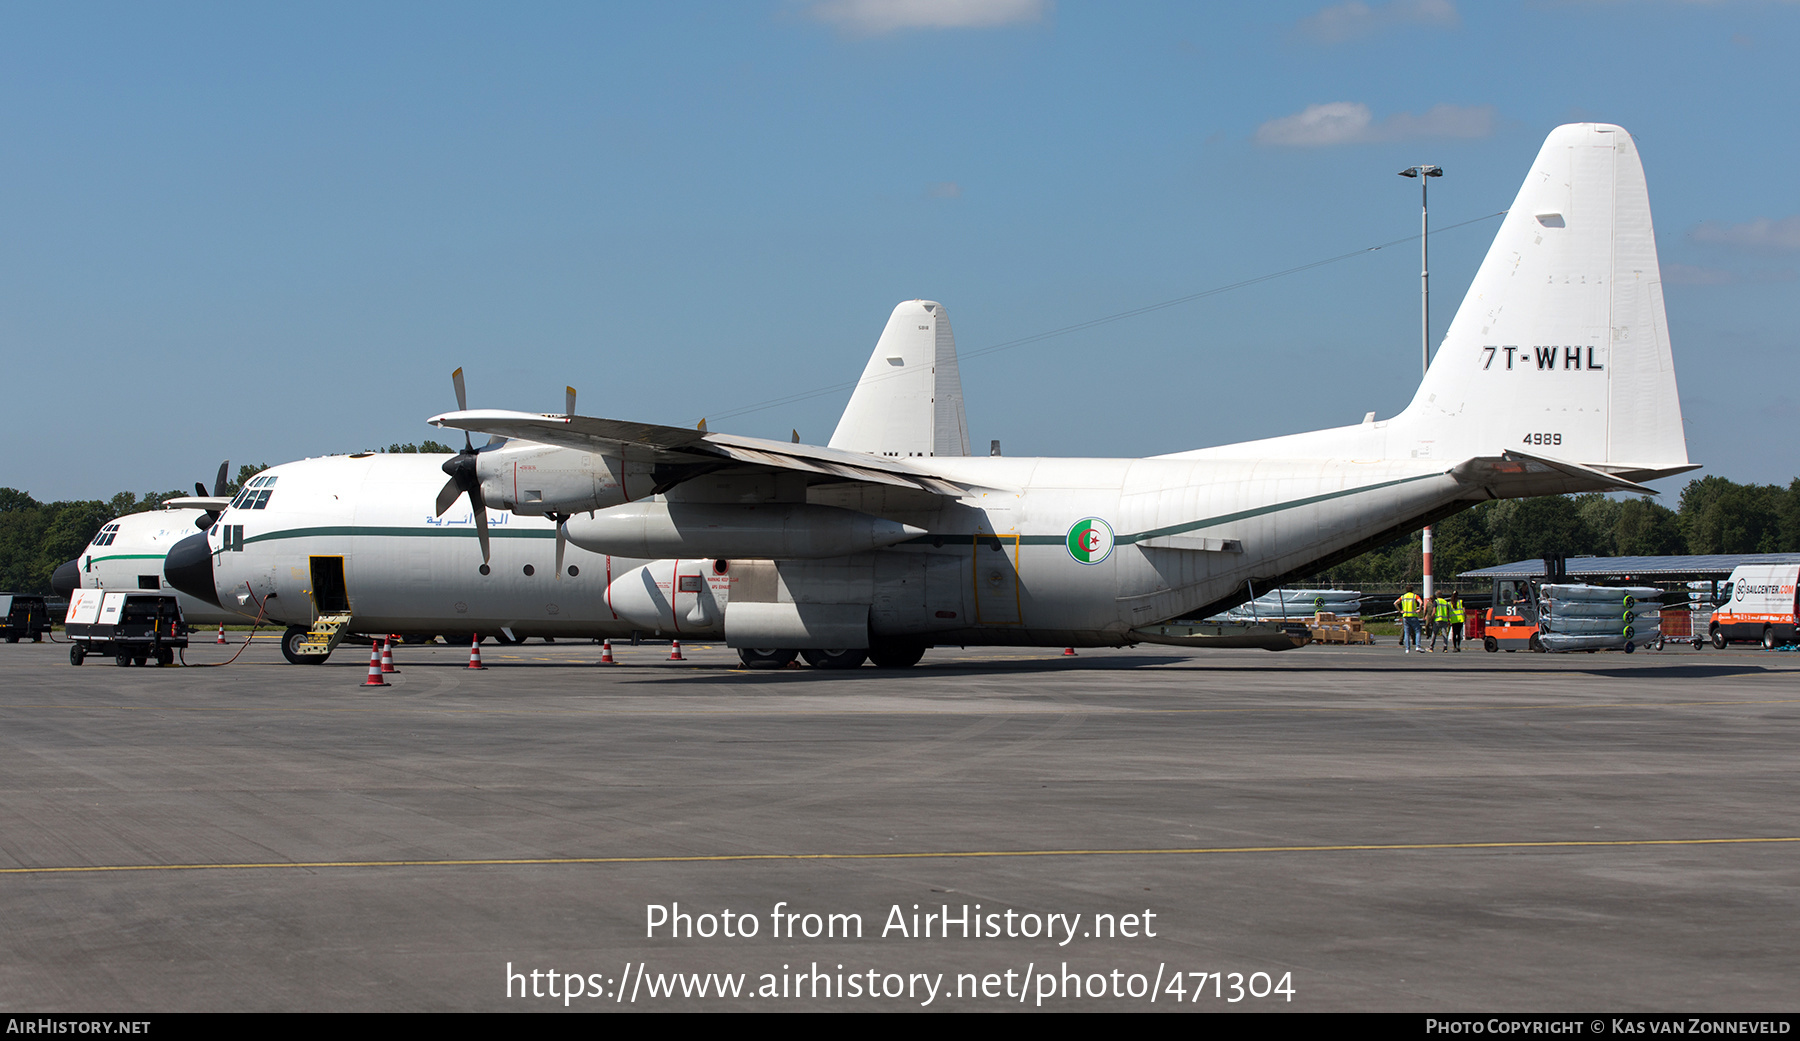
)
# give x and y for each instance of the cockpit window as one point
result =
(255, 495)
(106, 536)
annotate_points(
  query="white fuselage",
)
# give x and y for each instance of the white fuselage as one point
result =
(996, 566)
(404, 569)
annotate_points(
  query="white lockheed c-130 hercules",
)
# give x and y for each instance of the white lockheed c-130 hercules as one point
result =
(373, 543)
(127, 552)
(1555, 376)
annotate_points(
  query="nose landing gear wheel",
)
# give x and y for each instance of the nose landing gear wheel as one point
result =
(290, 648)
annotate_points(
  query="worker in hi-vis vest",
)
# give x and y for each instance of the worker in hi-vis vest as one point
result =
(1457, 617)
(1440, 623)
(1412, 611)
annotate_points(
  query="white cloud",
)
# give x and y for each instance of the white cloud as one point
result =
(1351, 122)
(1355, 19)
(1761, 234)
(875, 17)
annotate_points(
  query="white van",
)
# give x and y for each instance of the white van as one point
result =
(1761, 605)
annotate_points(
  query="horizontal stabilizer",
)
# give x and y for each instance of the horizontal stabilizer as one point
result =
(1513, 474)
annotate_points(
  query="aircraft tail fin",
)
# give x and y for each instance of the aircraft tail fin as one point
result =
(909, 401)
(1561, 347)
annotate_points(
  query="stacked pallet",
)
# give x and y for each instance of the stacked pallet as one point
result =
(1327, 627)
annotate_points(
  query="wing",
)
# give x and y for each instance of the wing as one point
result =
(648, 442)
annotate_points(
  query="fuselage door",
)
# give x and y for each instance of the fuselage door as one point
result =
(329, 594)
(996, 575)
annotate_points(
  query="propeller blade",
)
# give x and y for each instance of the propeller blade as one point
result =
(569, 401)
(200, 489)
(447, 496)
(562, 540)
(796, 437)
(219, 481)
(481, 531)
(462, 404)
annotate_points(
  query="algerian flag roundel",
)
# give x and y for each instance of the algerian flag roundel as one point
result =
(1090, 540)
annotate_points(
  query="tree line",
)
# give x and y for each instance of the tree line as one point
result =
(38, 537)
(1713, 515)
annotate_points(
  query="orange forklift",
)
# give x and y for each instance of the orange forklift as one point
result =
(1512, 623)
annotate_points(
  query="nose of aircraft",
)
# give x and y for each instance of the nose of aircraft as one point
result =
(189, 568)
(66, 579)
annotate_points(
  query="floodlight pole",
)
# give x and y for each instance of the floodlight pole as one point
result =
(1424, 173)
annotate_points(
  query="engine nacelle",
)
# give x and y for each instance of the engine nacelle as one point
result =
(673, 596)
(533, 479)
(756, 531)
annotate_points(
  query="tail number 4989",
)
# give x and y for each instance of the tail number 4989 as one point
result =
(1542, 439)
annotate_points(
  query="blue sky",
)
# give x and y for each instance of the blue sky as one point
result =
(263, 233)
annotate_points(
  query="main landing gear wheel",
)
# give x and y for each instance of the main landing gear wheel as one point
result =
(765, 658)
(1718, 638)
(896, 655)
(1490, 643)
(76, 653)
(290, 648)
(851, 658)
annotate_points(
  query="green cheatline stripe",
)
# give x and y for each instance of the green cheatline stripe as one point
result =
(1028, 540)
(126, 556)
(398, 532)
(1177, 529)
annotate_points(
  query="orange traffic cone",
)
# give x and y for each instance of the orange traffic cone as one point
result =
(675, 651)
(375, 679)
(1068, 652)
(387, 656)
(221, 638)
(475, 652)
(606, 657)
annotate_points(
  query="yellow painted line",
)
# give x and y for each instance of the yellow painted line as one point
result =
(1398, 847)
(979, 706)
